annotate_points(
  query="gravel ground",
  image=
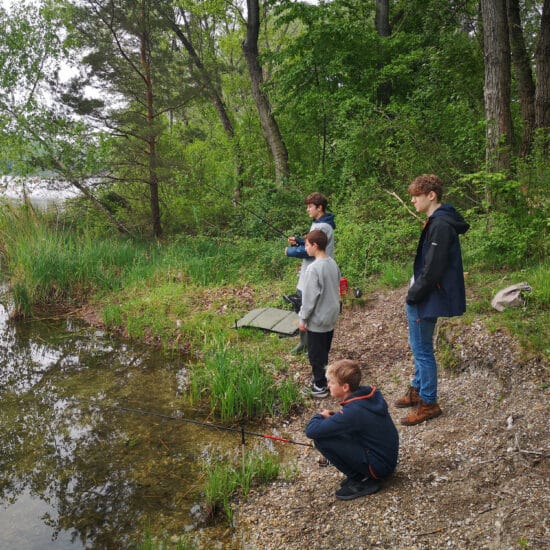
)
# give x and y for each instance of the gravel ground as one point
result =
(476, 477)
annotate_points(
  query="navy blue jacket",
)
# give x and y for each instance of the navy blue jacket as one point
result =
(364, 418)
(299, 249)
(438, 288)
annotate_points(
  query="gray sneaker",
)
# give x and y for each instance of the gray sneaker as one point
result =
(316, 391)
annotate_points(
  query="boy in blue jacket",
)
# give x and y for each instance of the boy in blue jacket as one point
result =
(316, 205)
(436, 290)
(361, 439)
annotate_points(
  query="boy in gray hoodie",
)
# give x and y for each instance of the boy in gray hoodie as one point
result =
(320, 308)
(316, 205)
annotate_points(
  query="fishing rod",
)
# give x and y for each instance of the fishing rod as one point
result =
(240, 430)
(244, 207)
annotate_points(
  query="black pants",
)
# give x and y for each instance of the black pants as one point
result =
(318, 348)
(346, 455)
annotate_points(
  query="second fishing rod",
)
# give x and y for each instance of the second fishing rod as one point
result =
(246, 208)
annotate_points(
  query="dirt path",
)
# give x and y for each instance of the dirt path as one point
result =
(477, 477)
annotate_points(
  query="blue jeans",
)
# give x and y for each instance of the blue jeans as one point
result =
(421, 342)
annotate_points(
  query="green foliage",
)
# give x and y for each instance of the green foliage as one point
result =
(394, 275)
(225, 479)
(240, 385)
(539, 279)
(153, 543)
(50, 264)
(268, 211)
(365, 249)
(500, 239)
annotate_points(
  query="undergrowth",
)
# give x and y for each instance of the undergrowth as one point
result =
(225, 478)
(242, 383)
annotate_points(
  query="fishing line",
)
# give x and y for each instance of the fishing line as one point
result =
(244, 207)
(209, 425)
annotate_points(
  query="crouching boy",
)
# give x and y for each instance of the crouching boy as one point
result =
(360, 439)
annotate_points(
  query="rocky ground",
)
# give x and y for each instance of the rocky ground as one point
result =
(476, 477)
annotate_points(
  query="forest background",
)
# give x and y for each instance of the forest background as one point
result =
(195, 129)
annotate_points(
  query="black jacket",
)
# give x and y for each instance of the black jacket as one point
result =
(365, 419)
(438, 288)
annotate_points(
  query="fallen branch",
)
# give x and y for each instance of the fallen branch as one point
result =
(488, 460)
(524, 451)
(439, 530)
(485, 510)
(394, 194)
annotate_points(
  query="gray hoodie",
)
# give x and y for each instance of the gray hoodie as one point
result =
(321, 295)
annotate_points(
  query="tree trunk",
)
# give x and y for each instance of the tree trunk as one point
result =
(542, 95)
(269, 125)
(496, 90)
(151, 138)
(524, 75)
(382, 17)
(215, 96)
(382, 24)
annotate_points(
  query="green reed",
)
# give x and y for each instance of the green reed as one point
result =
(237, 383)
(225, 479)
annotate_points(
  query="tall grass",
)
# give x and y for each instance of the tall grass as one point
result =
(48, 264)
(216, 261)
(224, 479)
(237, 385)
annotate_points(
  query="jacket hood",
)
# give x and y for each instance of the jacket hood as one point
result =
(452, 217)
(328, 217)
(370, 398)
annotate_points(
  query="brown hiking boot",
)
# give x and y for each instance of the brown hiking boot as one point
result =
(410, 399)
(423, 412)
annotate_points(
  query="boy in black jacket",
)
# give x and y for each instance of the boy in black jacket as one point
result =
(361, 439)
(437, 290)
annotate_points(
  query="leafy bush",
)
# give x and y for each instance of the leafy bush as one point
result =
(365, 249)
(270, 212)
(501, 239)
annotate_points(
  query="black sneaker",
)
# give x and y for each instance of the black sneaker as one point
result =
(317, 391)
(353, 489)
(323, 461)
(294, 300)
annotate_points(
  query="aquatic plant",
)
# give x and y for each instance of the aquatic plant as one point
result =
(225, 479)
(238, 384)
(152, 543)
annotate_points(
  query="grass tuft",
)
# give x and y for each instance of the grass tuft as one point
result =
(237, 384)
(225, 479)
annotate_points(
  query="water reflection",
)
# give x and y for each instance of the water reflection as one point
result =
(94, 476)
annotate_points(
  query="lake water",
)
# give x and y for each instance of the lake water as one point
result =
(77, 472)
(41, 192)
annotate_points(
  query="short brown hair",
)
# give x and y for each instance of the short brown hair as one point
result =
(318, 199)
(317, 237)
(345, 371)
(424, 184)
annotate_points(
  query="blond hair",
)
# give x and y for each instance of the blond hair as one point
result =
(345, 371)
